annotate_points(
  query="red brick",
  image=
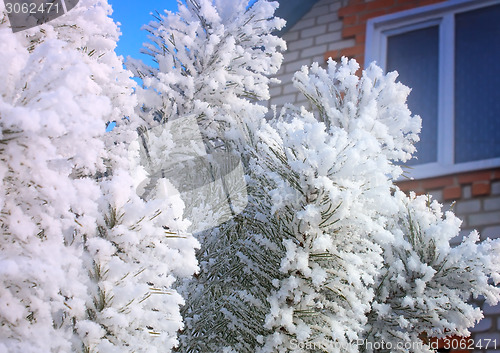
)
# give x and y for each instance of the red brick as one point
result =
(361, 61)
(474, 176)
(351, 9)
(435, 183)
(452, 193)
(401, 8)
(350, 20)
(361, 39)
(409, 185)
(352, 51)
(429, 2)
(481, 188)
(334, 54)
(414, 2)
(366, 16)
(379, 4)
(496, 174)
(354, 30)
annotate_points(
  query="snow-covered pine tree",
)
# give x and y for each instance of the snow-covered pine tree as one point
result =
(331, 169)
(424, 286)
(52, 120)
(367, 268)
(214, 59)
(87, 266)
(313, 262)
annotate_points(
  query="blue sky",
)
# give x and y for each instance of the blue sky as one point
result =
(133, 15)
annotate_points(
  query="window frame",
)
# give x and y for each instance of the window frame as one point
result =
(442, 14)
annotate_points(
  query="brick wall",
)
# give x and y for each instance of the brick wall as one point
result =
(335, 28)
(319, 31)
(474, 197)
(332, 28)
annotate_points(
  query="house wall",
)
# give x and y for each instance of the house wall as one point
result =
(319, 31)
(355, 15)
(474, 197)
(336, 28)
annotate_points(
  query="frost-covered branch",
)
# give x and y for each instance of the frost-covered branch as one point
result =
(87, 266)
(214, 60)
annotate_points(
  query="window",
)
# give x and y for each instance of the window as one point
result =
(449, 54)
